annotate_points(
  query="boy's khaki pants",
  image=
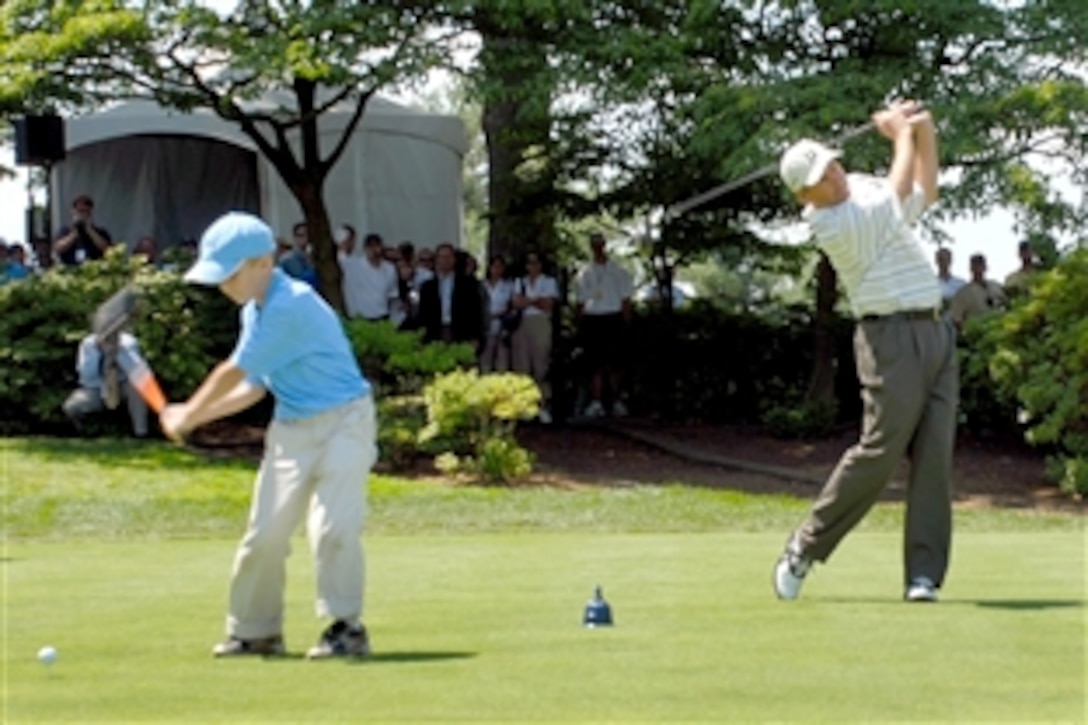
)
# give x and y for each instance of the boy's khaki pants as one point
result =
(314, 469)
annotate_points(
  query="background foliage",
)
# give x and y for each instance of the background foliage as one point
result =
(473, 418)
(600, 113)
(183, 331)
(1041, 362)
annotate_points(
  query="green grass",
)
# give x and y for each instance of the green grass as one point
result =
(109, 488)
(118, 555)
(487, 627)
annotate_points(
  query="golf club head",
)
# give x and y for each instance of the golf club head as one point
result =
(113, 314)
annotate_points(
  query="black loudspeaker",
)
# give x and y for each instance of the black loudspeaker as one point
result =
(39, 140)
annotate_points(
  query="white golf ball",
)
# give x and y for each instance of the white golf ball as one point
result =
(47, 655)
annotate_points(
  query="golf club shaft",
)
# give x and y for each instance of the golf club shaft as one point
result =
(146, 385)
(687, 205)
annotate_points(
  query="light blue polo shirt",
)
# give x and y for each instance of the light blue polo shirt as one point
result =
(294, 345)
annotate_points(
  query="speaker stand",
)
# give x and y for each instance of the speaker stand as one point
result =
(47, 216)
(31, 232)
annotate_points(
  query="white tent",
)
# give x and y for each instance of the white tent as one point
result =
(169, 174)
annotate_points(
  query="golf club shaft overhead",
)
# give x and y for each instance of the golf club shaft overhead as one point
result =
(687, 205)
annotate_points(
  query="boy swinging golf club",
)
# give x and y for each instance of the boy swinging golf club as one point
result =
(904, 349)
(319, 447)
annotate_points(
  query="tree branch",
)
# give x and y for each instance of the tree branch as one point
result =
(227, 109)
(326, 164)
(347, 135)
(319, 110)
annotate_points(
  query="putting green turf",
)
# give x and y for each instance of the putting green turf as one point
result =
(487, 627)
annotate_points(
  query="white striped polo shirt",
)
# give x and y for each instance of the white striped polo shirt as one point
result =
(869, 242)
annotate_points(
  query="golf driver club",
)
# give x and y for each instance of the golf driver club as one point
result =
(675, 210)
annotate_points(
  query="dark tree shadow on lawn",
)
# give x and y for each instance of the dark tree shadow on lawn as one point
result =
(1022, 604)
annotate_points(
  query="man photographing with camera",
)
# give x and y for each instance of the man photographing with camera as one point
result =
(81, 240)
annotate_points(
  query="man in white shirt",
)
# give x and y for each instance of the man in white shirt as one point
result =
(604, 292)
(950, 283)
(369, 282)
(905, 350)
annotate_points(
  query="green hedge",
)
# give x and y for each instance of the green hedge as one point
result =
(1026, 369)
(1040, 360)
(703, 363)
(987, 407)
(183, 331)
(472, 419)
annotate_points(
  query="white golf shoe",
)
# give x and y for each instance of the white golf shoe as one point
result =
(921, 589)
(789, 574)
(594, 410)
(341, 639)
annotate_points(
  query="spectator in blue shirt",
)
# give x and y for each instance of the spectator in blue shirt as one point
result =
(295, 257)
(17, 268)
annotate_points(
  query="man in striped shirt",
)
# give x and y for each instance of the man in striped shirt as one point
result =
(904, 349)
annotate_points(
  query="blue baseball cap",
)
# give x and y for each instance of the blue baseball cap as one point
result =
(227, 244)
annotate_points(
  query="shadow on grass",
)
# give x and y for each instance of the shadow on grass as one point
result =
(395, 658)
(1010, 604)
(1023, 604)
(392, 658)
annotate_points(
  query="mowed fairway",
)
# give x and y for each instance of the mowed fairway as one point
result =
(487, 625)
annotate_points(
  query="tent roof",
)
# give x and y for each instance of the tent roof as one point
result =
(146, 117)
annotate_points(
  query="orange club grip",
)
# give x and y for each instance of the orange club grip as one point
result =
(145, 384)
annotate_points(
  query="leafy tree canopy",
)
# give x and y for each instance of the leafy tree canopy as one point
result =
(673, 97)
(608, 106)
(273, 68)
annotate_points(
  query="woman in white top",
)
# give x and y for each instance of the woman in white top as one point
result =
(496, 352)
(535, 295)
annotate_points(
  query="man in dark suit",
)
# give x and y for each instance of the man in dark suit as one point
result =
(449, 304)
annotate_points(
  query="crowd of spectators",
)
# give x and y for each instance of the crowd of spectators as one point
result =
(83, 238)
(965, 299)
(507, 313)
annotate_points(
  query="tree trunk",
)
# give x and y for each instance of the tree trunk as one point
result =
(505, 232)
(310, 192)
(663, 277)
(312, 200)
(516, 119)
(306, 180)
(821, 388)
